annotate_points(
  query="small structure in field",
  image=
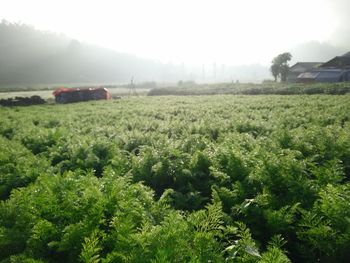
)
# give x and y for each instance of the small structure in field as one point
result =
(70, 95)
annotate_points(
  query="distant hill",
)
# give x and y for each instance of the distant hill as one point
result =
(30, 56)
(315, 51)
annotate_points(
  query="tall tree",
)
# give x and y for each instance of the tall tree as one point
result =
(274, 71)
(280, 67)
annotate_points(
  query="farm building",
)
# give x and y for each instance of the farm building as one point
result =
(325, 75)
(341, 62)
(299, 68)
(69, 95)
(334, 70)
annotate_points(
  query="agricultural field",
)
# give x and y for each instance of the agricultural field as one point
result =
(226, 178)
(268, 88)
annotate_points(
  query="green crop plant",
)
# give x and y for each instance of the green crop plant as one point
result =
(229, 178)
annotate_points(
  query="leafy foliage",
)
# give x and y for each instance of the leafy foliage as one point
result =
(177, 179)
(280, 67)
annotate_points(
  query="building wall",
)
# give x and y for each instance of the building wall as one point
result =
(81, 95)
(293, 77)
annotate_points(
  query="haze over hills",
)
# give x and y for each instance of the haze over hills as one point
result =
(30, 56)
(316, 51)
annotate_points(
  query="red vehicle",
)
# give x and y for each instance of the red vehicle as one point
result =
(69, 95)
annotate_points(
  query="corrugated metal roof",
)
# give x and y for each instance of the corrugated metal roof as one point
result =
(308, 75)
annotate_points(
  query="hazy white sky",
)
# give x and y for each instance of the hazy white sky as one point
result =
(190, 31)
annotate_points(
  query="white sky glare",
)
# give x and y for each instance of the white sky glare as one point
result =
(190, 31)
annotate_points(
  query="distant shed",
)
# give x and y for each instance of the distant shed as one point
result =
(70, 95)
(299, 68)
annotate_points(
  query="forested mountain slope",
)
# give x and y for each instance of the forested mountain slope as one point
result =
(30, 56)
